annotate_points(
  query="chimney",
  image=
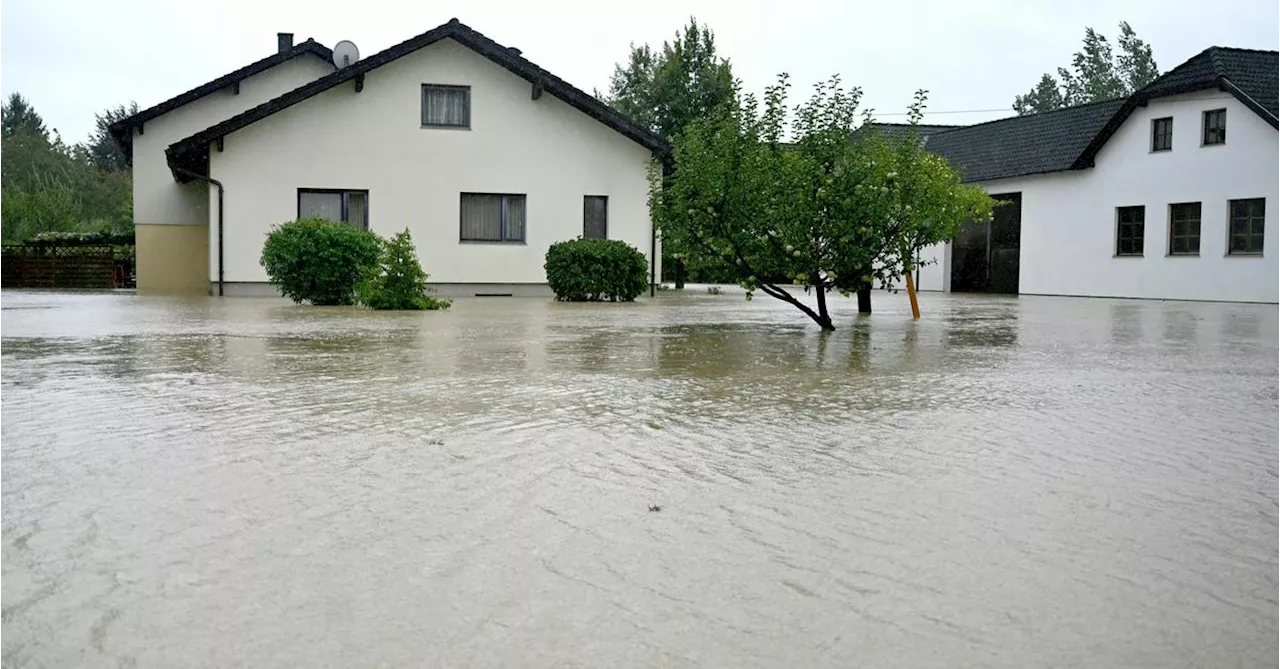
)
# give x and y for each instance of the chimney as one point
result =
(284, 41)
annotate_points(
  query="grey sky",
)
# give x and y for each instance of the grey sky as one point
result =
(72, 58)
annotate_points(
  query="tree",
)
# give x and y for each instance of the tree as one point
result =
(397, 281)
(1096, 73)
(666, 90)
(102, 147)
(16, 114)
(826, 212)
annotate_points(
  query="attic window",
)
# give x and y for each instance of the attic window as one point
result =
(446, 106)
(1215, 127)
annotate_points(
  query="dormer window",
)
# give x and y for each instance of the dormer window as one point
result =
(1215, 127)
(1162, 134)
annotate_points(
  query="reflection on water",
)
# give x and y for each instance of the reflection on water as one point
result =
(1008, 481)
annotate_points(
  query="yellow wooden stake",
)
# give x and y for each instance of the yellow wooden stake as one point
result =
(911, 293)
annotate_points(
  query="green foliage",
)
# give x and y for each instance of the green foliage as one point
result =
(49, 186)
(17, 115)
(81, 238)
(397, 281)
(318, 261)
(102, 147)
(1096, 73)
(595, 270)
(666, 90)
(826, 211)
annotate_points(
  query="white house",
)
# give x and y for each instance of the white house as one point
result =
(1171, 193)
(485, 157)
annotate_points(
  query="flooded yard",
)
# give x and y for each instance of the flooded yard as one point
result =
(1014, 482)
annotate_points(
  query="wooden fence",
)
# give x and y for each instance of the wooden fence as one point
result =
(63, 265)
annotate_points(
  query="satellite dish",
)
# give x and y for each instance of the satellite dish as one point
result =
(345, 53)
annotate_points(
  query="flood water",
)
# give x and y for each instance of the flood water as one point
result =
(1010, 482)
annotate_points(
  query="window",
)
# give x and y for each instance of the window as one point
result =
(1215, 127)
(1247, 224)
(1162, 134)
(349, 206)
(595, 217)
(492, 218)
(1130, 222)
(446, 106)
(1184, 229)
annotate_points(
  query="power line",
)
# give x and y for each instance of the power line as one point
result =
(954, 111)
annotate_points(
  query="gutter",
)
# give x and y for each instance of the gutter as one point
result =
(217, 183)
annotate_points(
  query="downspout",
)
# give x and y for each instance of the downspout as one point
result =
(217, 183)
(653, 257)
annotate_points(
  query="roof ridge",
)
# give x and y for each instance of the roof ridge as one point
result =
(1244, 50)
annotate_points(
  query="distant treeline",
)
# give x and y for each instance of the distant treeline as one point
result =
(47, 185)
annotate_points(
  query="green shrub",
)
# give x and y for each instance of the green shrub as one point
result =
(593, 270)
(397, 281)
(319, 261)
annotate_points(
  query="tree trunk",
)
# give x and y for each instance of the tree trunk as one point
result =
(864, 300)
(679, 274)
(824, 318)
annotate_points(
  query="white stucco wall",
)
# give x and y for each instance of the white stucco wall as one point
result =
(157, 198)
(1069, 218)
(545, 149)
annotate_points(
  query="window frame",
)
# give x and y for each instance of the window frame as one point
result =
(1199, 219)
(422, 106)
(502, 221)
(1261, 218)
(1156, 135)
(345, 193)
(585, 199)
(1140, 224)
(1221, 129)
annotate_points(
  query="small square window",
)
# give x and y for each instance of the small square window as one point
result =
(595, 217)
(489, 217)
(343, 206)
(1162, 134)
(1215, 127)
(1248, 224)
(1184, 229)
(1130, 222)
(446, 106)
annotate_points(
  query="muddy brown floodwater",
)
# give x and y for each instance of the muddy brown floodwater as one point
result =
(1011, 482)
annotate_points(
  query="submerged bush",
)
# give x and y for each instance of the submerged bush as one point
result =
(397, 281)
(319, 261)
(594, 270)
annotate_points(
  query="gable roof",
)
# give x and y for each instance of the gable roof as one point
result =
(192, 153)
(1249, 75)
(1023, 145)
(122, 130)
(1070, 138)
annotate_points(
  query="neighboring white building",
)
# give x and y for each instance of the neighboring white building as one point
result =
(1171, 193)
(486, 158)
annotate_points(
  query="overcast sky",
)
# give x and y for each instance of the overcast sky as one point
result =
(72, 58)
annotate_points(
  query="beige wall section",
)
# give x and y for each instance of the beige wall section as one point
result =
(173, 258)
(544, 148)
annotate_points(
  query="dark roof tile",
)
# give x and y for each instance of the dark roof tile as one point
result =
(1022, 145)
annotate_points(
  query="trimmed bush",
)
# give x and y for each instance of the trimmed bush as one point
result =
(319, 261)
(595, 270)
(397, 282)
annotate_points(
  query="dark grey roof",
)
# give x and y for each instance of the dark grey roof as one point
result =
(191, 153)
(1022, 145)
(1067, 139)
(122, 130)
